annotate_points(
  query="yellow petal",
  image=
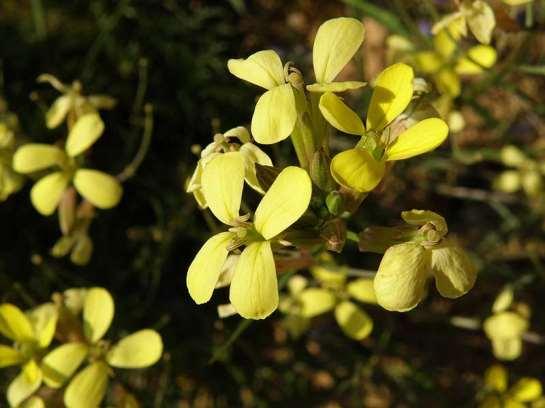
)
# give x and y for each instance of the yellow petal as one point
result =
(62, 362)
(339, 115)
(362, 290)
(532, 183)
(263, 68)
(354, 322)
(9, 356)
(36, 156)
(526, 389)
(481, 20)
(454, 272)
(204, 271)
(357, 169)
(508, 181)
(495, 378)
(98, 312)
(47, 192)
(422, 217)
(505, 325)
(336, 42)
(336, 86)
(420, 138)
(138, 350)
(33, 402)
(448, 82)
(240, 132)
(400, 282)
(25, 384)
(100, 189)
(222, 182)
(315, 301)
(507, 349)
(88, 387)
(14, 324)
(44, 321)
(254, 288)
(330, 277)
(504, 299)
(85, 132)
(456, 21)
(275, 115)
(428, 62)
(393, 92)
(285, 202)
(484, 57)
(252, 155)
(512, 156)
(58, 111)
(445, 41)
(296, 284)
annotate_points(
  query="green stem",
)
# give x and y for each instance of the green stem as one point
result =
(38, 17)
(132, 167)
(243, 325)
(302, 137)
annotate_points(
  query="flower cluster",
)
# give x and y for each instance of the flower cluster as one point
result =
(78, 319)
(306, 207)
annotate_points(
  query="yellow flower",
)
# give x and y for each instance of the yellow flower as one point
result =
(445, 63)
(507, 325)
(526, 174)
(31, 333)
(362, 167)
(223, 143)
(276, 111)
(401, 280)
(72, 103)
(526, 392)
(87, 388)
(476, 14)
(99, 188)
(335, 294)
(254, 286)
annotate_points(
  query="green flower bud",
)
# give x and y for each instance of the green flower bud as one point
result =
(319, 171)
(334, 203)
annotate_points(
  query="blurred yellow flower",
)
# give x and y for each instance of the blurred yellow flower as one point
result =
(526, 392)
(31, 333)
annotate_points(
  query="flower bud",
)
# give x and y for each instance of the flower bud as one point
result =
(319, 171)
(334, 203)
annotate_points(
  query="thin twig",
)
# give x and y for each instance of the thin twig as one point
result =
(133, 166)
(475, 194)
